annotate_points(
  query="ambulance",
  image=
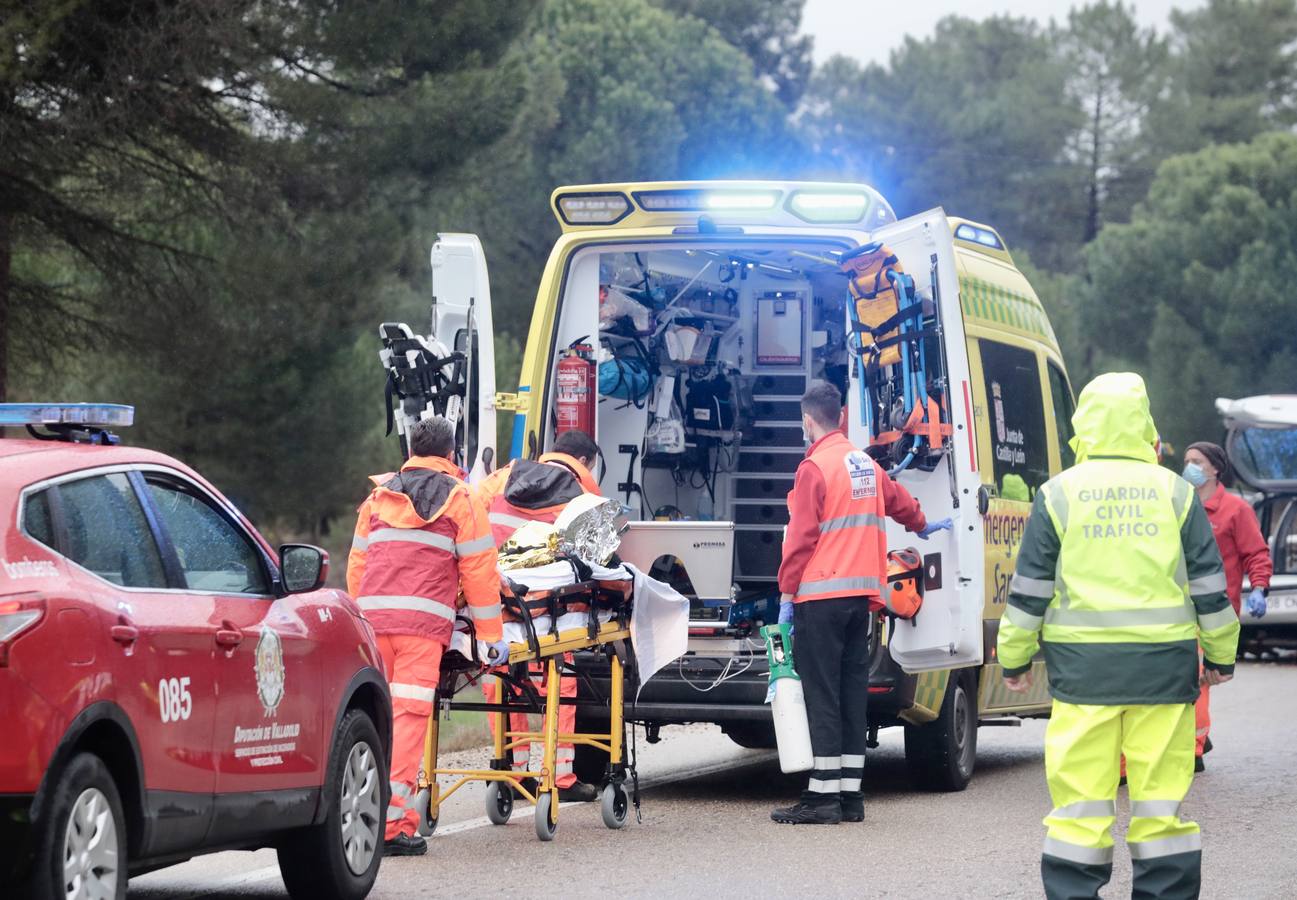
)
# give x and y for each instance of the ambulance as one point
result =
(679, 324)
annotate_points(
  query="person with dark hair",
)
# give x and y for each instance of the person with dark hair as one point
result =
(420, 541)
(527, 491)
(831, 577)
(1242, 548)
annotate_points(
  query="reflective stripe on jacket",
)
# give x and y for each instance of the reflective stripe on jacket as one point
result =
(420, 541)
(1118, 575)
(849, 556)
(533, 492)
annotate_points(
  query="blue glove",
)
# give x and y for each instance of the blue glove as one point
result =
(1256, 603)
(495, 653)
(939, 525)
(786, 612)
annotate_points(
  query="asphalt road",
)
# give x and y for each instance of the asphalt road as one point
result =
(706, 830)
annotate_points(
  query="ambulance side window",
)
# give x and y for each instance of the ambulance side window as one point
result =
(1062, 397)
(1019, 450)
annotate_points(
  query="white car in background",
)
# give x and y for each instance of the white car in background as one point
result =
(1262, 447)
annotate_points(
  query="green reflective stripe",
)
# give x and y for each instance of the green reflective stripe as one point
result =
(1168, 846)
(1086, 809)
(1095, 856)
(1031, 587)
(860, 520)
(1119, 618)
(359, 543)
(380, 603)
(482, 544)
(829, 585)
(1024, 620)
(1207, 584)
(1218, 619)
(412, 536)
(1154, 809)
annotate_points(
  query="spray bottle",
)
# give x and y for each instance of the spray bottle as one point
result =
(788, 703)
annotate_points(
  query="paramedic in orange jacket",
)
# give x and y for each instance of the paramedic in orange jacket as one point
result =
(525, 491)
(831, 577)
(420, 540)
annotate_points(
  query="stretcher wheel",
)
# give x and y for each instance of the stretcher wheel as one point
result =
(499, 802)
(614, 805)
(427, 823)
(546, 824)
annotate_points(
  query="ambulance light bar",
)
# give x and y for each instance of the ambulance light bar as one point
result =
(975, 235)
(88, 415)
(705, 200)
(822, 206)
(593, 209)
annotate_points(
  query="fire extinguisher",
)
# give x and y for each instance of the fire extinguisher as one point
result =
(576, 396)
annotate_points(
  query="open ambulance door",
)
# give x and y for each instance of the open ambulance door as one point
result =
(947, 631)
(461, 321)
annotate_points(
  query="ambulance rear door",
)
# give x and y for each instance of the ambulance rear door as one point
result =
(947, 632)
(461, 320)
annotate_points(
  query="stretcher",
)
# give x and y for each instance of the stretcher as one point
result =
(548, 630)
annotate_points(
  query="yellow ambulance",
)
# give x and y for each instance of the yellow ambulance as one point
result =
(681, 323)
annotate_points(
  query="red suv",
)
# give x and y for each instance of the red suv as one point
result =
(170, 684)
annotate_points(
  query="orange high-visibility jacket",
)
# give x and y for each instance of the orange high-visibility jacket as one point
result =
(835, 544)
(526, 491)
(420, 540)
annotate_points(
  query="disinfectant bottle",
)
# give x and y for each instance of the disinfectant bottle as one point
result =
(788, 703)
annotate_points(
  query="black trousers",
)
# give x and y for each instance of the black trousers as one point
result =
(831, 653)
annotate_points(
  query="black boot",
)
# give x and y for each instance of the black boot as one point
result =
(1199, 765)
(578, 792)
(853, 806)
(812, 809)
(405, 845)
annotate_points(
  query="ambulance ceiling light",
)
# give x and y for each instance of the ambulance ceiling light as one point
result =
(826, 206)
(593, 209)
(90, 415)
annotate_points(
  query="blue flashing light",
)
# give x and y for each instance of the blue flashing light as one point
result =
(89, 415)
(746, 200)
(975, 235)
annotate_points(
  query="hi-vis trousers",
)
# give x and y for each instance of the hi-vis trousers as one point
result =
(564, 776)
(1083, 747)
(413, 668)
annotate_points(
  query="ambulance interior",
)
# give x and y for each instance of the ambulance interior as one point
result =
(703, 352)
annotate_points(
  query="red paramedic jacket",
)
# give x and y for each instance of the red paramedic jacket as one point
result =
(835, 545)
(1238, 535)
(420, 540)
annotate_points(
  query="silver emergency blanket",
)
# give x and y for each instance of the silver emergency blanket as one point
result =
(590, 529)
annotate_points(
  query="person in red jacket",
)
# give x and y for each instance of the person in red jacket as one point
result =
(1242, 548)
(525, 491)
(831, 578)
(420, 541)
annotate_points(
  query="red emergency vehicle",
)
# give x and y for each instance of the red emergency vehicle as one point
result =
(170, 684)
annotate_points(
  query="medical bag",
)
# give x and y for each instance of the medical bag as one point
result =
(875, 295)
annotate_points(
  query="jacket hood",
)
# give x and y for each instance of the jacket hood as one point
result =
(540, 485)
(1112, 419)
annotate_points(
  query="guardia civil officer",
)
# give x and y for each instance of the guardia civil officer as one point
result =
(833, 569)
(1119, 579)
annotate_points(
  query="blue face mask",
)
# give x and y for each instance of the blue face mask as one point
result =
(1194, 474)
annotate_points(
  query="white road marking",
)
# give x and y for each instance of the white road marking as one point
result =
(268, 873)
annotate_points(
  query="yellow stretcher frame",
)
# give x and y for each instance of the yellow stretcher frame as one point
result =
(503, 780)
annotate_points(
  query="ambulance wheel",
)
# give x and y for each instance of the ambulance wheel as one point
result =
(614, 805)
(940, 754)
(546, 817)
(81, 838)
(499, 802)
(338, 859)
